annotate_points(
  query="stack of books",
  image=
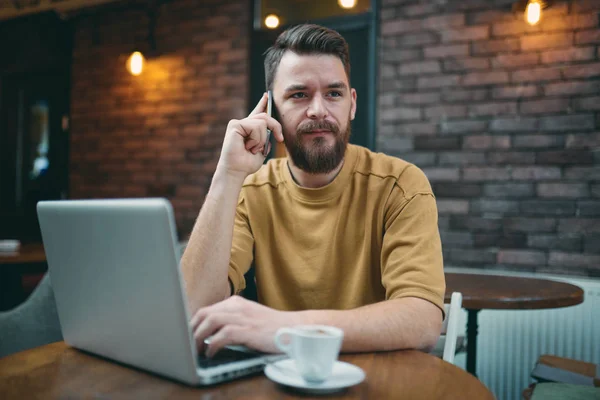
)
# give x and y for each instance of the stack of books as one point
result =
(565, 370)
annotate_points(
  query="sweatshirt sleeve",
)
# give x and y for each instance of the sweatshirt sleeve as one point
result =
(242, 246)
(411, 255)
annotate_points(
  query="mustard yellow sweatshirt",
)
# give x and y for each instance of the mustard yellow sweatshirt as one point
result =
(368, 236)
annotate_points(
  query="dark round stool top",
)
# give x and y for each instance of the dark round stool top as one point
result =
(511, 292)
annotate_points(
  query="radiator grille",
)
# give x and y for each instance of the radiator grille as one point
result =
(510, 342)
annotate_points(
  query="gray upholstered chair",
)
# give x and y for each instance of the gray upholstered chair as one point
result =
(32, 323)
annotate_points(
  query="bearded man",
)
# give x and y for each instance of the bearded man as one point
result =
(338, 235)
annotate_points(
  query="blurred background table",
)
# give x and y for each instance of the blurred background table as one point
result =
(496, 292)
(14, 266)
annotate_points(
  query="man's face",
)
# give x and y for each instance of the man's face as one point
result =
(315, 105)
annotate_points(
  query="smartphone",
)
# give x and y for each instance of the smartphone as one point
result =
(270, 114)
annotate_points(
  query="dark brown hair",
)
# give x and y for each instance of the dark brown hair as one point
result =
(306, 39)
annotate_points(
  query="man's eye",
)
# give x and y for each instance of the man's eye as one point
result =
(335, 94)
(299, 95)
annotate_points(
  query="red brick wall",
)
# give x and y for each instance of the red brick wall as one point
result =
(158, 134)
(504, 118)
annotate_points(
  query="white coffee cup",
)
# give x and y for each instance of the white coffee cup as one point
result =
(314, 349)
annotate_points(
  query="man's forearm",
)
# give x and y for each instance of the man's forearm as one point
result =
(206, 259)
(405, 323)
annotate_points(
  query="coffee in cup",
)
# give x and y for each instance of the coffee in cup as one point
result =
(314, 349)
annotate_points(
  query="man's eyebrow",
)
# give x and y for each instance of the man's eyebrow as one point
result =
(295, 87)
(337, 85)
(333, 85)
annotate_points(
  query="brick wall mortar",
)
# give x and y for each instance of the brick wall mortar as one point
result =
(511, 115)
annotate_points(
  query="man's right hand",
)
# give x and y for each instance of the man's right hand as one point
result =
(242, 152)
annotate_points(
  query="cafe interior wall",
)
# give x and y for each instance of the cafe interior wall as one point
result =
(504, 119)
(159, 133)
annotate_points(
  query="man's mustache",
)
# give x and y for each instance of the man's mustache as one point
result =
(318, 125)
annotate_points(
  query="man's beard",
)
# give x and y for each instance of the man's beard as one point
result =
(317, 156)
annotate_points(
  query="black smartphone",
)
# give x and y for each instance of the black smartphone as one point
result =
(267, 147)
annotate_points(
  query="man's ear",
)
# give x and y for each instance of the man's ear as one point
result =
(353, 109)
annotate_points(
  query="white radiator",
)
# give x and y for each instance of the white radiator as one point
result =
(510, 342)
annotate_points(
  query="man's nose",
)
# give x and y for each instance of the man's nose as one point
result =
(317, 109)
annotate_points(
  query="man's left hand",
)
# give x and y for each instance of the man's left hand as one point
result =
(237, 321)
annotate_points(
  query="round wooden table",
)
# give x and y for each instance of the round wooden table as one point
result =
(58, 371)
(496, 292)
(30, 258)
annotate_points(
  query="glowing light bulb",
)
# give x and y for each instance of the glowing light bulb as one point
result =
(347, 3)
(271, 21)
(135, 63)
(533, 12)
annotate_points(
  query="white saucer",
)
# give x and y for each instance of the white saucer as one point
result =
(343, 375)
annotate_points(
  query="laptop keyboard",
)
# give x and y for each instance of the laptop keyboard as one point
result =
(225, 356)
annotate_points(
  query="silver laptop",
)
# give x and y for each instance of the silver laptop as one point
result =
(114, 266)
